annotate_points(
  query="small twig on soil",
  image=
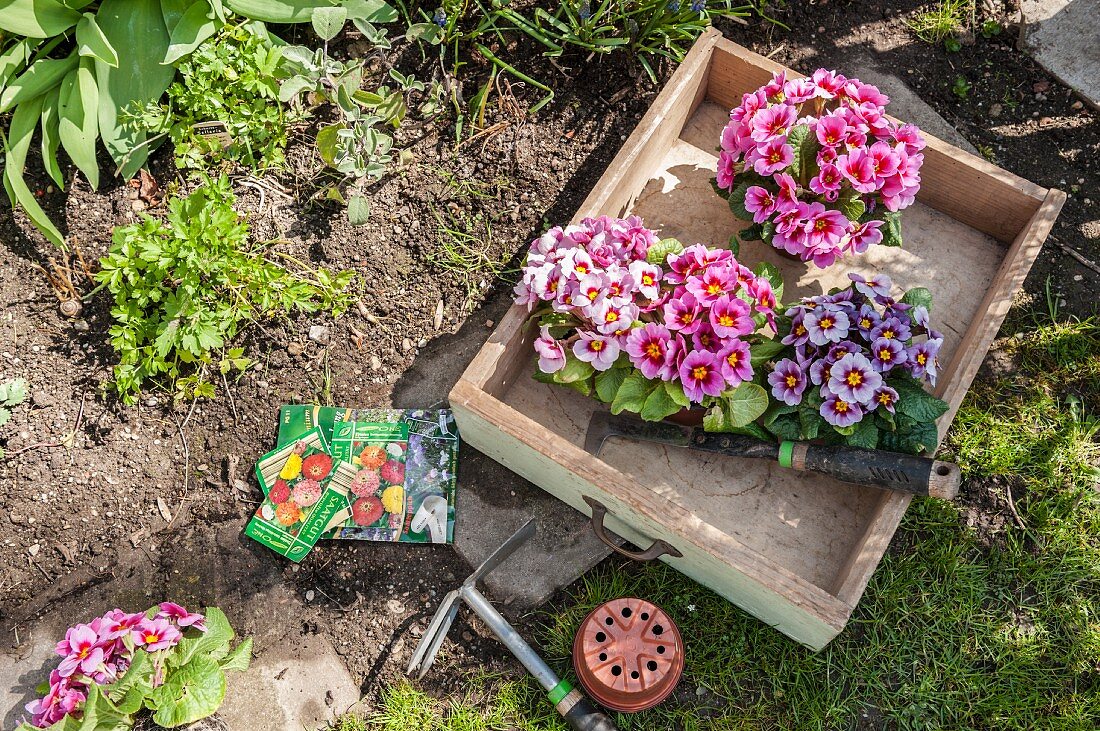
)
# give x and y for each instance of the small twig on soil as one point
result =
(1016, 516)
(258, 189)
(339, 606)
(1077, 255)
(776, 50)
(66, 442)
(186, 449)
(44, 572)
(189, 412)
(233, 406)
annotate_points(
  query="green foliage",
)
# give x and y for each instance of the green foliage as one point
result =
(229, 78)
(71, 68)
(184, 288)
(12, 393)
(945, 19)
(961, 87)
(658, 253)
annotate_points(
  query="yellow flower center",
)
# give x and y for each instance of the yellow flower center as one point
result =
(854, 378)
(791, 381)
(150, 638)
(612, 316)
(581, 269)
(922, 358)
(884, 398)
(885, 354)
(888, 334)
(593, 294)
(647, 279)
(714, 288)
(775, 157)
(725, 321)
(553, 285)
(597, 345)
(825, 323)
(687, 318)
(700, 372)
(821, 224)
(733, 358)
(841, 407)
(800, 330)
(865, 323)
(653, 350)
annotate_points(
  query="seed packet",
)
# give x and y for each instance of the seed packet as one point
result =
(431, 463)
(377, 505)
(305, 489)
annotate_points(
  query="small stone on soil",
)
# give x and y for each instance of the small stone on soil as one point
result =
(319, 334)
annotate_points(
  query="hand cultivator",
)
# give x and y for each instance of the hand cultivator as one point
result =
(574, 708)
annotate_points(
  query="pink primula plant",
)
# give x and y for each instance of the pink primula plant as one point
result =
(817, 167)
(647, 325)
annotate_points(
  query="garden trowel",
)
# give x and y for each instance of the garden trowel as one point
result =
(874, 468)
(574, 708)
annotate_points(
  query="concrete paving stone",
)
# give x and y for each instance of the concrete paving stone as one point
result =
(1064, 37)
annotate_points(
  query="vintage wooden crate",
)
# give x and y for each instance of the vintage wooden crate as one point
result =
(795, 551)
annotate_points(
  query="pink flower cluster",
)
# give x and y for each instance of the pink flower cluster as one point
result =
(101, 651)
(860, 155)
(679, 320)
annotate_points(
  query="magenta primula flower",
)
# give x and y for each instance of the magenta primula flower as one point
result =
(182, 617)
(877, 286)
(550, 352)
(773, 156)
(84, 653)
(647, 347)
(831, 130)
(853, 379)
(730, 317)
(864, 235)
(62, 699)
(156, 634)
(683, 313)
(706, 339)
(825, 326)
(788, 381)
(118, 623)
(599, 350)
(824, 227)
(701, 375)
(760, 202)
(713, 283)
(735, 361)
(773, 122)
(727, 162)
(856, 167)
(839, 412)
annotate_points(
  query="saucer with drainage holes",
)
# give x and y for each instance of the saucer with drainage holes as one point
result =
(628, 654)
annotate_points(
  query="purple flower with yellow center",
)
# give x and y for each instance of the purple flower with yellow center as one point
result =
(853, 379)
(885, 354)
(599, 350)
(923, 361)
(729, 316)
(839, 412)
(867, 320)
(820, 371)
(706, 339)
(735, 361)
(892, 328)
(798, 335)
(647, 347)
(841, 349)
(701, 375)
(590, 290)
(885, 397)
(825, 326)
(612, 316)
(674, 358)
(714, 282)
(788, 381)
(875, 287)
(683, 313)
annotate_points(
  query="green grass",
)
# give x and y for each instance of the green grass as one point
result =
(466, 251)
(944, 20)
(960, 628)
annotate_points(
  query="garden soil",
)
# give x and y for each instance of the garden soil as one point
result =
(93, 486)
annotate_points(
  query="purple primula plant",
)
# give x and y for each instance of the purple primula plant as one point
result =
(649, 326)
(853, 367)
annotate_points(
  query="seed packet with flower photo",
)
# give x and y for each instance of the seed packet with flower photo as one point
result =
(431, 464)
(305, 489)
(377, 503)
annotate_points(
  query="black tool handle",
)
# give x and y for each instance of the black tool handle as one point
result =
(583, 716)
(871, 467)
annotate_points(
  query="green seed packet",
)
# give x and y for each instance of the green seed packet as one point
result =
(430, 466)
(305, 490)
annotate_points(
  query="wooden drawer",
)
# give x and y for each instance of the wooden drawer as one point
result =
(794, 550)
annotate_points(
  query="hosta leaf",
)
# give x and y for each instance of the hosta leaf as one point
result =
(36, 18)
(632, 394)
(91, 42)
(745, 404)
(16, 145)
(39, 78)
(277, 11)
(372, 11)
(191, 692)
(659, 405)
(15, 59)
(659, 252)
(50, 138)
(240, 658)
(194, 27)
(329, 21)
(79, 125)
(137, 26)
(172, 11)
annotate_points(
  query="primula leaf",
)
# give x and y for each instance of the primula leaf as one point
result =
(737, 205)
(805, 147)
(632, 394)
(91, 42)
(36, 18)
(240, 657)
(715, 419)
(189, 693)
(777, 409)
(608, 383)
(358, 210)
(194, 27)
(762, 352)
(328, 21)
(918, 296)
(891, 229)
(915, 402)
(852, 206)
(745, 404)
(810, 421)
(214, 642)
(865, 435)
(575, 370)
(676, 393)
(660, 251)
(786, 427)
(659, 405)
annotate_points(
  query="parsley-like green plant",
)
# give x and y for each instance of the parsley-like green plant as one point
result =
(185, 287)
(230, 78)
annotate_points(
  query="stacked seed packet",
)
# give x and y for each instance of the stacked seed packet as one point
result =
(405, 463)
(305, 489)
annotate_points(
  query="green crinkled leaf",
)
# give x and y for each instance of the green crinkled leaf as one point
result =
(805, 146)
(36, 18)
(865, 435)
(194, 26)
(676, 393)
(575, 370)
(770, 272)
(239, 658)
(918, 296)
(745, 404)
(660, 251)
(13, 392)
(189, 693)
(659, 405)
(764, 351)
(810, 421)
(632, 394)
(891, 230)
(753, 430)
(915, 402)
(100, 714)
(852, 207)
(734, 245)
(608, 382)
(845, 430)
(786, 427)
(214, 642)
(754, 232)
(715, 419)
(91, 42)
(777, 409)
(737, 205)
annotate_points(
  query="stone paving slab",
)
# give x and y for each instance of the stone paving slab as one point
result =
(1064, 37)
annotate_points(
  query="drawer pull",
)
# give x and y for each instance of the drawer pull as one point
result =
(659, 547)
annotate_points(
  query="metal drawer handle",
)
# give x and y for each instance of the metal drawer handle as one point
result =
(659, 547)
